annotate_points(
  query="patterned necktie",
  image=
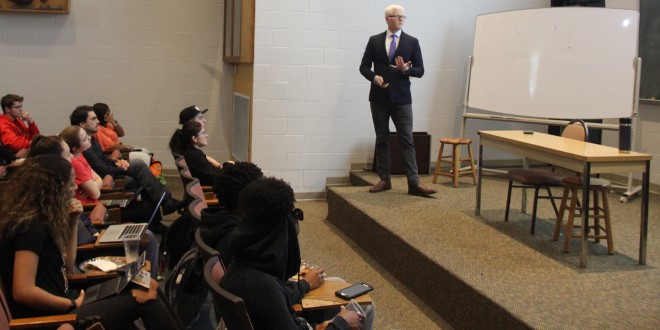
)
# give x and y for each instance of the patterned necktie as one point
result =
(392, 47)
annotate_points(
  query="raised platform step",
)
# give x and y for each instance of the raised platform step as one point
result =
(482, 272)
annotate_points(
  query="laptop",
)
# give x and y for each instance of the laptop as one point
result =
(114, 233)
(117, 284)
(122, 202)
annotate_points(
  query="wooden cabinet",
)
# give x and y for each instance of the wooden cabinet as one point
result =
(239, 31)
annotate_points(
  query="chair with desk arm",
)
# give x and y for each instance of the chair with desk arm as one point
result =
(194, 190)
(49, 322)
(537, 179)
(228, 306)
(207, 251)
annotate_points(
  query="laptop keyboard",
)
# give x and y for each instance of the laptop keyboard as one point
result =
(131, 229)
(109, 287)
(120, 202)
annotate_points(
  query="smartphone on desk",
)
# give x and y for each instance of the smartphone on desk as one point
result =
(353, 291)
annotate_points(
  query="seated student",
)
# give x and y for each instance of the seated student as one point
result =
(38, 249)
(87, 233)
(54, 145)
(138, 173)
(218, 222)
(14, 133)
(194, 113)
(89, 185)
(189, 141)
(266, 254)
(109, 133)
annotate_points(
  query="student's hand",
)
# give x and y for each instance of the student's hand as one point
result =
(108, 181)
(74, 207)
(3, 171)
(110, 118)
(353, 319)
(22, 153)
(116, 154)
(380, 82)
(122, 164)
(142, 296)
(27, 117)
(81, 297)
(314, 277)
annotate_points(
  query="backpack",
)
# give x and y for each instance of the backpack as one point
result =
(179, 237)
(185, 287)
(156, 168)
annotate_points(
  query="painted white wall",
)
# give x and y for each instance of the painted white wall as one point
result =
(311, 114)
(146, 59)
(149, 59)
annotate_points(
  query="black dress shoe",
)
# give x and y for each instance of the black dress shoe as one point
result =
(381, 186)
(170, 205)
(420, 190)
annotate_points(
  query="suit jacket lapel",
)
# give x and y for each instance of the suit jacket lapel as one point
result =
(403, 39)
(381, 45)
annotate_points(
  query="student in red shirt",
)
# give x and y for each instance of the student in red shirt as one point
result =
(14, 132)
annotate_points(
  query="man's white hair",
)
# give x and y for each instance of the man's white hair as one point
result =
(390, 9)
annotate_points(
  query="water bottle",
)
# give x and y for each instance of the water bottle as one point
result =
(164, 264)
(625, 135)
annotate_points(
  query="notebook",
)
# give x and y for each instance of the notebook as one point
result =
(122, 202)
(114, 233)
(117, 284)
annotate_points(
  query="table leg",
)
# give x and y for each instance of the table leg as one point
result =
(644, 221)
(585, 215)
(477, 209)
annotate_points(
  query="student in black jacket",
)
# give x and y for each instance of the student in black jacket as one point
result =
(266, 254)
(219, 222)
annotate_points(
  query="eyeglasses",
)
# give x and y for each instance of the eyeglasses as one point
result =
(397, 16)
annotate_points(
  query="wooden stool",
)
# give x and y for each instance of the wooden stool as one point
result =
(598, 187)
(455, 170)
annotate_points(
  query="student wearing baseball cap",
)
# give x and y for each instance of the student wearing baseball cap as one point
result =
(192, 113)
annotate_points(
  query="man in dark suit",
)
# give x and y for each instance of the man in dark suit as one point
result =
(396, 56)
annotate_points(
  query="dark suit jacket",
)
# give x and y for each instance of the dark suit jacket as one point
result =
(398, 91)
(99, 163)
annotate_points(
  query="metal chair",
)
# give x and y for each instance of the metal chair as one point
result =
(228, 306)
(537, 179)
(207, 251)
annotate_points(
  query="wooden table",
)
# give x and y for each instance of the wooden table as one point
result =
(324, 297)
(584, 157)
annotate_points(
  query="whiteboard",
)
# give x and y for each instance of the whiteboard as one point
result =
(571, 62)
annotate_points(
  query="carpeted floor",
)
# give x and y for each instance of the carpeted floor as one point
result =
(526, 274)
(614, 292)
(325, 246)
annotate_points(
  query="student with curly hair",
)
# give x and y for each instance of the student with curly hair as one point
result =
(38, 250)
(218, 222)
(266, 254)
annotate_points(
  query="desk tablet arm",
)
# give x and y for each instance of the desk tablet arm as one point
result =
(42, 321)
